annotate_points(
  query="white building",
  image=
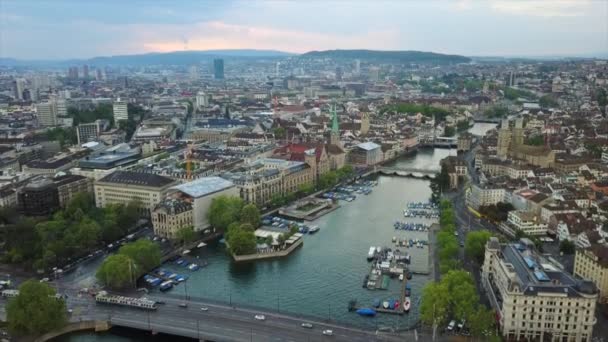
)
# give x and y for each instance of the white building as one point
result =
(527, 222)
(201, 192)
(47, 114)
(534, 299)
(120, 111)
(483, 195)
(201, 100)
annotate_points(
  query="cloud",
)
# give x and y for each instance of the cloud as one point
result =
(542, 8)
(221, 35)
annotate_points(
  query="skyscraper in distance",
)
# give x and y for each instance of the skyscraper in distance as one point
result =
(120, 111)
(218, 68)
(85, 71)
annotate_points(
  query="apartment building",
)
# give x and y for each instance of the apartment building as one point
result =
(486, 194)
(170, 215)
(534, 299)
(592, 264)
(526, 221)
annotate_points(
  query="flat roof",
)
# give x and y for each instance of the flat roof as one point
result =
(204, 186)
(368, 146)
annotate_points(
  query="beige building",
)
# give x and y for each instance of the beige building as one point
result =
(592, 264)
(170, 215)
(484, 195)
(70, 185)
(122, 187)
(534, 299)
(526, 221)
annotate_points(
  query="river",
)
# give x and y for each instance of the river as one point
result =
(321, 277)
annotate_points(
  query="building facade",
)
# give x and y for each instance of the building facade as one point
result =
(120, 111)
(592, 264)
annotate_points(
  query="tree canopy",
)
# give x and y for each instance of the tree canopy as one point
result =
(475, 244)
(118, 271)
(224, 210)
(251, 214)
(186, 235)
(35, 310)
(145, 253)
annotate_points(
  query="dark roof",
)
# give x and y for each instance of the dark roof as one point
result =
(137, 178)
(66, 179)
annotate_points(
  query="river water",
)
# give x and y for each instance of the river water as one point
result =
(320, 278)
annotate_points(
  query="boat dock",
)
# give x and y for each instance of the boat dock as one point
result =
(353, 306)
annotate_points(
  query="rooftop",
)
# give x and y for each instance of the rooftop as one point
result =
(368, 146)
(204, 186)
(137, 178)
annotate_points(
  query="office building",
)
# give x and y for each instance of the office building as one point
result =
(18, 88)
(120, 110)
(218, 68)
(88, 132)
(201, 100)
(366, 154)
(534, 299)
(193, 73)
(38, 198)
(123, 187)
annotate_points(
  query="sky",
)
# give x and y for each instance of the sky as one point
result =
(63, 29)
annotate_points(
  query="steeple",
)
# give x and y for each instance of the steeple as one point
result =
(334, 138)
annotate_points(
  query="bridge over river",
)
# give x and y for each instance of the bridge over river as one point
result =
(409, 172)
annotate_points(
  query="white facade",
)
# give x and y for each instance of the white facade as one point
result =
(201, 100)
(120, 111)
(483, 196)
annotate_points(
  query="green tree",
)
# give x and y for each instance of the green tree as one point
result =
(434, 307)
(145, 253)
(449, 131)
(328, 179)
(242, 241)
(475, 244)
(279, 132)
(117, 271)
(185, 235)
(463, 294)
(251, 214)
(224, 210)
(35, 310)
(306, 189)
(567, 247)
(481, 322)
(535, 140)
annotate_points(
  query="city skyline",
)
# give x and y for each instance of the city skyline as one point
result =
(69, 29)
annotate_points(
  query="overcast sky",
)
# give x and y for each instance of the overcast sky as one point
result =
(57, 29)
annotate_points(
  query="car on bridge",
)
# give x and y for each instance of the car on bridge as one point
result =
(307, 325)
(260, 317)
(328, 332)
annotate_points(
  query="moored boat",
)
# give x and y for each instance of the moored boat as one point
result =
(401, 277)
(385, 304)
(313, 229)
(407, 304)
(366, 312)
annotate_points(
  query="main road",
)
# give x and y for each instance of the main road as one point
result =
(218, 322)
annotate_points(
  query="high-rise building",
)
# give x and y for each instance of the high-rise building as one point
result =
(193, 73)
(277, 69)
(374, 74)
(18, 88)
(201, 100)
(85, 71)
(73, 72)
(218, 68)
(120, 111)
(98, 76)
(88, 132)
(357, 66)
(47, 113)
(339, 73)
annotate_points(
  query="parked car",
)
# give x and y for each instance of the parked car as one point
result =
(451, 325)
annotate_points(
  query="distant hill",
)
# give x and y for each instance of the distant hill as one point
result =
(155, 58)
(389, 56)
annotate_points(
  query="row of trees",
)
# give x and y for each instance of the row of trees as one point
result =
(122, 269)
(439, 184)
(455, 296)
(69, 234)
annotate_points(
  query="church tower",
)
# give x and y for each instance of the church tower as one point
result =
(504, 140)
(334, 138)
(364, 123)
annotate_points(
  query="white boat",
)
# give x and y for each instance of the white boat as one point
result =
(407, 304)
(394, 238)
(313, 229)
(371, 253)
(401, 277)
(385, 304)
(202, 244)
(186, 251)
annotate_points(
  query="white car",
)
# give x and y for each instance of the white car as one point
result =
(260, 317)
(328, 332)
(204, 309)
(307, 325)
(451, 325)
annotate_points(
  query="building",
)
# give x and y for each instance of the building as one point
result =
(592, 264)
(70, 185)
(88, 132)
(123, 187)
(456, 169)
(120, 110)
(200, 193)
(38, 198)
(47, 114)
(464, 142)
(202, 100)
(484, 195)
(511, 144)
(48, 167)
(525, 221)
(218, 69)
(170, 215)
(366, 154)
(534, 299)
(18, 88)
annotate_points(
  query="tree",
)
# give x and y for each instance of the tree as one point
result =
(435, 304)
(566, 247)
(306, 189)
(242, 241)
(475, 244)
(118, 271)
(345, 172)
(449, 131)
(251, 214)
(224, 210)
(279, 132)
(145, 253)
(185, 235)
(463, 294)
(481, 322)
(35, 310)
(328, 179)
